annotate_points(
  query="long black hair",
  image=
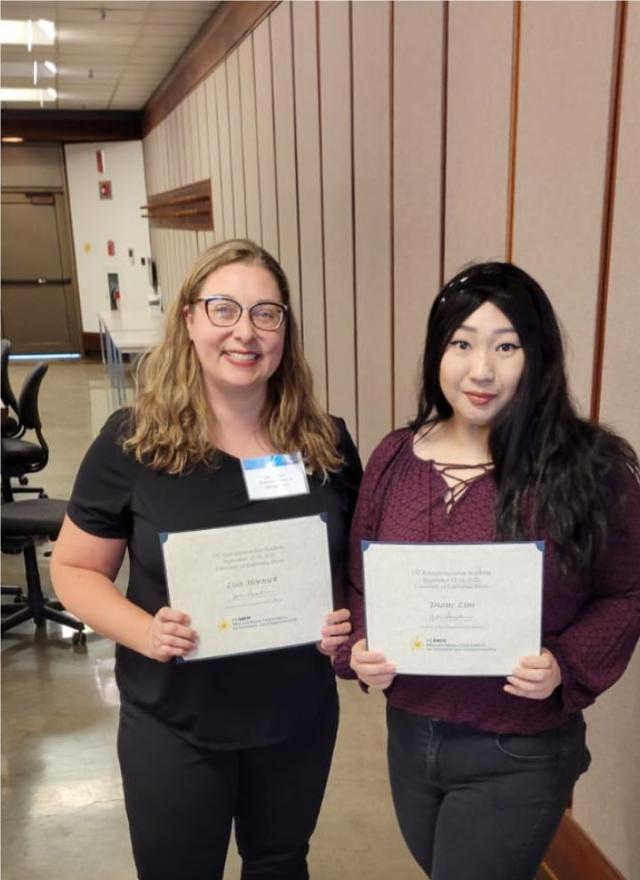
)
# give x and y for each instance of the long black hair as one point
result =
(555, 472)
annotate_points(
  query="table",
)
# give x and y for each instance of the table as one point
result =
(127, 331)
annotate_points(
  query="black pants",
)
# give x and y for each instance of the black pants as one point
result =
(181, 800)
(480, 806)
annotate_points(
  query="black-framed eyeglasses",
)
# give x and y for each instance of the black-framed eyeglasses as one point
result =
(224, 311)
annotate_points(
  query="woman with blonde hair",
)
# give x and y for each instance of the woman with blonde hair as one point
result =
(247, 737)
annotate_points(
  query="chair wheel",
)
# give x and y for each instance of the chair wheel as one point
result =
(43, 495)
(23, 481)
(79, 638)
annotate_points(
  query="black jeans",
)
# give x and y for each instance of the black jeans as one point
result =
(181, 800)
(480, 806)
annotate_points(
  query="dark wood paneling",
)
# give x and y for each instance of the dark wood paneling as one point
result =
(574, 856)
(91, 343)
(188, 207)
(72, 126)
(227, 26)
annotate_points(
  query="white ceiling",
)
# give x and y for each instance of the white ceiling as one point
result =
(110, 56)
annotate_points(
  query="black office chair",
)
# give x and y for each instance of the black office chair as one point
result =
(10, 421)
(19, 456)
(23, 523)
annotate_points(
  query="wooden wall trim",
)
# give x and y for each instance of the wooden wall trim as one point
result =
(443, 151)
(608, 206)
(513, 127)
(225, 29)
(72, 126)
(574, 856)
(187, 207)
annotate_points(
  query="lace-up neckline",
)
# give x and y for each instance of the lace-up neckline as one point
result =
(458, 485)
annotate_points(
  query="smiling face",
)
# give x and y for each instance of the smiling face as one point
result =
(240, 358)
(481, 367)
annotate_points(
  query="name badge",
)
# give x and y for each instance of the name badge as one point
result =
(275, 476)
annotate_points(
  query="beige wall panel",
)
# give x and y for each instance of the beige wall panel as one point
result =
(565, 86)
(174, 151)
(224, 140)
(250, 139)
(203, 129)
(147, 155)
(176, 254)
(417, 173)
(371, 177)
(176, 148)
(163, 177)
(193, 138)
(168, 291)
(266, 150)
(611, 787)
(285, 148)
(168, 133)
(309, 193)
(184, 147)
(335, 90)
(479, 102)
(190, 238)
(235, 137)
(190, 138)
(213, 139)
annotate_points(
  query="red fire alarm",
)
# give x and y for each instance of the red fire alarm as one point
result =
(105, 189)
(111, 248)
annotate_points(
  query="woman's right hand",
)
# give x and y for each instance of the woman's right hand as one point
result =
(170, 635)
(371, 667)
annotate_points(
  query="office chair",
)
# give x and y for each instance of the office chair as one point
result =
(19, 456)
(23, 523)
(10, 421)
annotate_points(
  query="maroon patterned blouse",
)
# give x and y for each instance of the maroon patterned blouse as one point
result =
(591, 621)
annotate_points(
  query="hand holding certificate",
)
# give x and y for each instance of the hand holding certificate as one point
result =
(453, 609)
(251, 587)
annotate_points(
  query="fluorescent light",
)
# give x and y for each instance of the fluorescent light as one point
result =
(48, 28)
(11, 139)
(28, 94)
(50, 66)
(35, 73)
(15, 32)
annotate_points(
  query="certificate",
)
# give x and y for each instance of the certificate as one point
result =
(453, 609)
(251, 587)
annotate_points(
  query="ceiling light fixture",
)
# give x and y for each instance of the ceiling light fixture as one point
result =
(48, 28)
(17, 95)
(35, 73)
(12, 139)
(22, 32)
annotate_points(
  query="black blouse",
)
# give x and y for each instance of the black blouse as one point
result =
(231, 702)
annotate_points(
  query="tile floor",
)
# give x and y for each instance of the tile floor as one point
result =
(62, 810)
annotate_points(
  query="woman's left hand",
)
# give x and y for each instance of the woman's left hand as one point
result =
(335, 632)
(536, 678)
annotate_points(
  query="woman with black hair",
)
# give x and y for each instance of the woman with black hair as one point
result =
(482, 769)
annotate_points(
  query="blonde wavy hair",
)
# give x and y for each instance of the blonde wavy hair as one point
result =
(171, 420)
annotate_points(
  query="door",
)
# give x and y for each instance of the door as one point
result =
(40, 310)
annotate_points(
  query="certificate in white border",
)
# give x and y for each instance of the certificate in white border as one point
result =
(251, 587)
(453, 609)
